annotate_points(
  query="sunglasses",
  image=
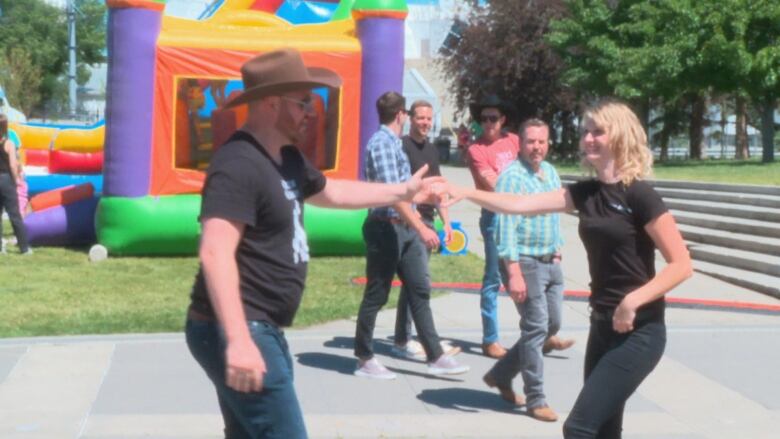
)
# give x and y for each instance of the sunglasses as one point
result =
(492, 118)
(305, 104)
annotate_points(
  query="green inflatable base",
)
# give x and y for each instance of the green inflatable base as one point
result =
(168, 225)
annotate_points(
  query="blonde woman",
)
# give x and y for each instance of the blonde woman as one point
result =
(622, 221)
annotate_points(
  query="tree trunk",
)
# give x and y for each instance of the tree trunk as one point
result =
(723, 122)
(696, 128)
(768, 131)
(665, 136)
(741, 139)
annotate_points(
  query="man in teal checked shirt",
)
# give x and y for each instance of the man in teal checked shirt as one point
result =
(529, 246)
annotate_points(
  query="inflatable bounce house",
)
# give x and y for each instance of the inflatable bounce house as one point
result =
(63, 170)
(168, 77)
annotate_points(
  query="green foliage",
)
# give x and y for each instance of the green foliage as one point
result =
(20, 78)
(672, 52)
(41, 31)
(502, 50)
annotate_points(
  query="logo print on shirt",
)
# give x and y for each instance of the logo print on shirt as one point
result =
(620, 208)
(300, 245)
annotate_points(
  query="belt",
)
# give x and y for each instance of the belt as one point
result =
(545, 258)
(199, 317)
(387, 219)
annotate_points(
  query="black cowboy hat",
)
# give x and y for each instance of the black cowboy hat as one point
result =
(490, 101)
(279, 72)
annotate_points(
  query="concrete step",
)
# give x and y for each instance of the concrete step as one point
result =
(718, 187)
(744, 260)
(726, 210)
(738, 241)
(720, 197)
(742, 278)
(734, 225)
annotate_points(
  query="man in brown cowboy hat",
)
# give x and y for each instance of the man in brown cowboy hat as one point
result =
(253, 250)
(487, 157)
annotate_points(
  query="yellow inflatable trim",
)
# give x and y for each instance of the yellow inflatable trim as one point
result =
(34, 137)
(80, 140)
(255, 31)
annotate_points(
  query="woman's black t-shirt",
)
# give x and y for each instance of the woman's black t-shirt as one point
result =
(243, 184)
(621, 255)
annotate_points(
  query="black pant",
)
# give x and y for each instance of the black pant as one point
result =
(392, 248)
(10, 202)
(403, 315)
(615, 365)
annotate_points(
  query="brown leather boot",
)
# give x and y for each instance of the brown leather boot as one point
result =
(555, 343)
(543, 413)
(493, 350)
(506, 392)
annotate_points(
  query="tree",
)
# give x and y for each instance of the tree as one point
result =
(20, 78)
(664, 52)
(502, 50)
(762, 83)
(40, 30)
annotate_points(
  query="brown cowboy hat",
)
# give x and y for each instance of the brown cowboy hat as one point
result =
(490, 101)
(279, 72)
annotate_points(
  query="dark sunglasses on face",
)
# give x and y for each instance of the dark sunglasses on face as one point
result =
(492, 118)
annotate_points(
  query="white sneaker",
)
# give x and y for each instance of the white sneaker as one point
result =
(449, 349)
(412, 350)
(374, 369)
(446, 365)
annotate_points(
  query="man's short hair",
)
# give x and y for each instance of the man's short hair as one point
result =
(388, 105)
(533, 122)
(418, 104)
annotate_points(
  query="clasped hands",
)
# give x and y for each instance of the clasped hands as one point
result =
(432, 190)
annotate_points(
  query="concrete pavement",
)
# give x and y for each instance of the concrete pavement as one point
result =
(716, 380)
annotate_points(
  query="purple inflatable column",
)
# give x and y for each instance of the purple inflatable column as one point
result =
(133, 28)
(380, 28)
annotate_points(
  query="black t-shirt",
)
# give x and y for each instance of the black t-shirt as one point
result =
(420, 154)
(5, 166)
(621, 254)
(243, 184)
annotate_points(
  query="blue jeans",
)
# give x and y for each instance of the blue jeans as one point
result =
(274, 412)
(390, 249)
(615, 365)
(540, 318)
(491, 280)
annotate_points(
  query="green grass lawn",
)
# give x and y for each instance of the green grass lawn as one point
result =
(716, 171)
(58, 291)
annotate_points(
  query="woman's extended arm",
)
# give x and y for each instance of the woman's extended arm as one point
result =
(512, 204)
(666, 236)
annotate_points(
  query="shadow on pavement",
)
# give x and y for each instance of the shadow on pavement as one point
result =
(333, 363)
(467, 400)
(346, 366)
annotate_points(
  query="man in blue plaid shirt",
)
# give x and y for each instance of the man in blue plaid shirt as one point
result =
(392, 246)
(529, 247)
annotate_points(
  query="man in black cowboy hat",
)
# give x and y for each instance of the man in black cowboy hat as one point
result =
(487, 157)
(253, 249)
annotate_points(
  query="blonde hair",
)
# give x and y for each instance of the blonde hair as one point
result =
(627, 139)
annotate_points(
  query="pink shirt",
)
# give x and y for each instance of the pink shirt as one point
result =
(487, 160)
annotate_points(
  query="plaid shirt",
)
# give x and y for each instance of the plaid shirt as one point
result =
(386, 162)
(518, 235)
